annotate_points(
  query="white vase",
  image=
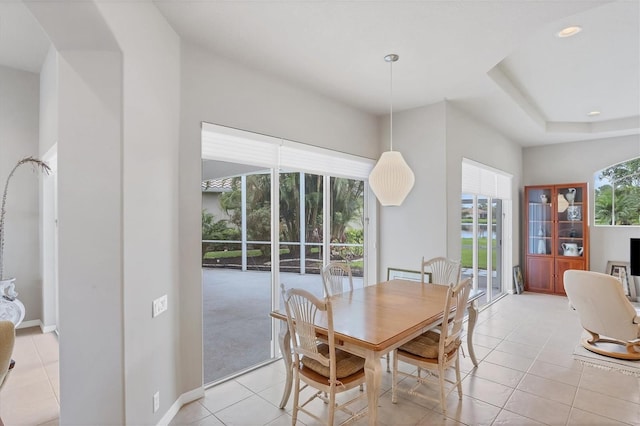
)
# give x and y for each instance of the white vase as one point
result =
(8, 289)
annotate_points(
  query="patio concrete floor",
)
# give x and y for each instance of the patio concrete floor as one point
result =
(236, 321)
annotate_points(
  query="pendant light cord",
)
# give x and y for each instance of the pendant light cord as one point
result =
(391, 105)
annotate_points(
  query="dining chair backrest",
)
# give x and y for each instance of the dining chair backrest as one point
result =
(317, 362)
(443, 271)
(337, 278)
(436, 351)
(451, 331)
(303, 311)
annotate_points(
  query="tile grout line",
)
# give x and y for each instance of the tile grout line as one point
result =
(42, 364)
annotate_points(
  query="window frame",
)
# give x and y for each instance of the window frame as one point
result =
(598, 183)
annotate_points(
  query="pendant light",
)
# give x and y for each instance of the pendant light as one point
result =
(391, 179)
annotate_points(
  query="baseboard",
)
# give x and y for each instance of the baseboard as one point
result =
(47, 329)
(37, 323)
(30, 323)
(183, 399)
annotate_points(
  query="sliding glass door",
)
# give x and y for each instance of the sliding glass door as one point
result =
(346, 232)
(274, 213)
(236, 273)
(481, 242)
(301, 231)
(485, 228)
(241, 242)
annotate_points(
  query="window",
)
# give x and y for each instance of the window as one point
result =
(617, 194)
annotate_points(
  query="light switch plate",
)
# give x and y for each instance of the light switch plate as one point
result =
(159, 305)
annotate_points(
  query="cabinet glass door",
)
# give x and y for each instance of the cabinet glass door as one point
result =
(571, 214)
(540, 216)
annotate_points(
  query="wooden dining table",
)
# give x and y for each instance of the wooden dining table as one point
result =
(374, 320)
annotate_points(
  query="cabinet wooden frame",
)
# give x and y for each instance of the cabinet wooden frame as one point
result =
(556, 234)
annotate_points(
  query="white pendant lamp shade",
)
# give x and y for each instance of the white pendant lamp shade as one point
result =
(391, 179)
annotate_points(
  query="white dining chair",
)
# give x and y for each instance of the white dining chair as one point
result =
(434, 352)
(443, 271)
(337, 278)
(317, 362)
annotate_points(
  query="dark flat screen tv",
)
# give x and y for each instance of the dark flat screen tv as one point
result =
(634, 257)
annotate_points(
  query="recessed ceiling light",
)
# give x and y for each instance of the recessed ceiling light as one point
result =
(593, 113)
(569, 31)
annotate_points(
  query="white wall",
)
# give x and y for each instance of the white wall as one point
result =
(469, 138)
(211, 203)
(49, 102)
(48, 214)
(114, 103)
(577, 162)
(19, 100)
(228, 94)
(116, 117)
(433, 141)
(151, 105)
(418, 227)
(89, 137)
(90, 238)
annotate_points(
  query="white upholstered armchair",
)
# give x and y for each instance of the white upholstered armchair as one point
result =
(7, 340)
(605, 313)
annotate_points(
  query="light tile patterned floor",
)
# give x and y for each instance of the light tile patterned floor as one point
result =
(526, 376)
(31, 394)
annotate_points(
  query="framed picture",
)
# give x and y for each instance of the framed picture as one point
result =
(620, 270)
(518, 282)
(406, 274)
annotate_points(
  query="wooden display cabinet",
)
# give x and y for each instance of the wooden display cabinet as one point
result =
(556, 234)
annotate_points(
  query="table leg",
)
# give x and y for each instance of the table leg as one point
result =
(373, 374)
(473, 316)
(284, 340)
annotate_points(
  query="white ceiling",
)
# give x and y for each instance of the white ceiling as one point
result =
(498, 60)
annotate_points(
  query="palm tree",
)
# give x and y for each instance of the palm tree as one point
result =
(626, 207)
(604, 205)
(346, 200)
(625, 210)
(621, 207)
(289, 209)
(346, 205)
(258, 213)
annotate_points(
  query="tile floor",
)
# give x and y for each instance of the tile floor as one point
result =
(30, 395)
(526, 376)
